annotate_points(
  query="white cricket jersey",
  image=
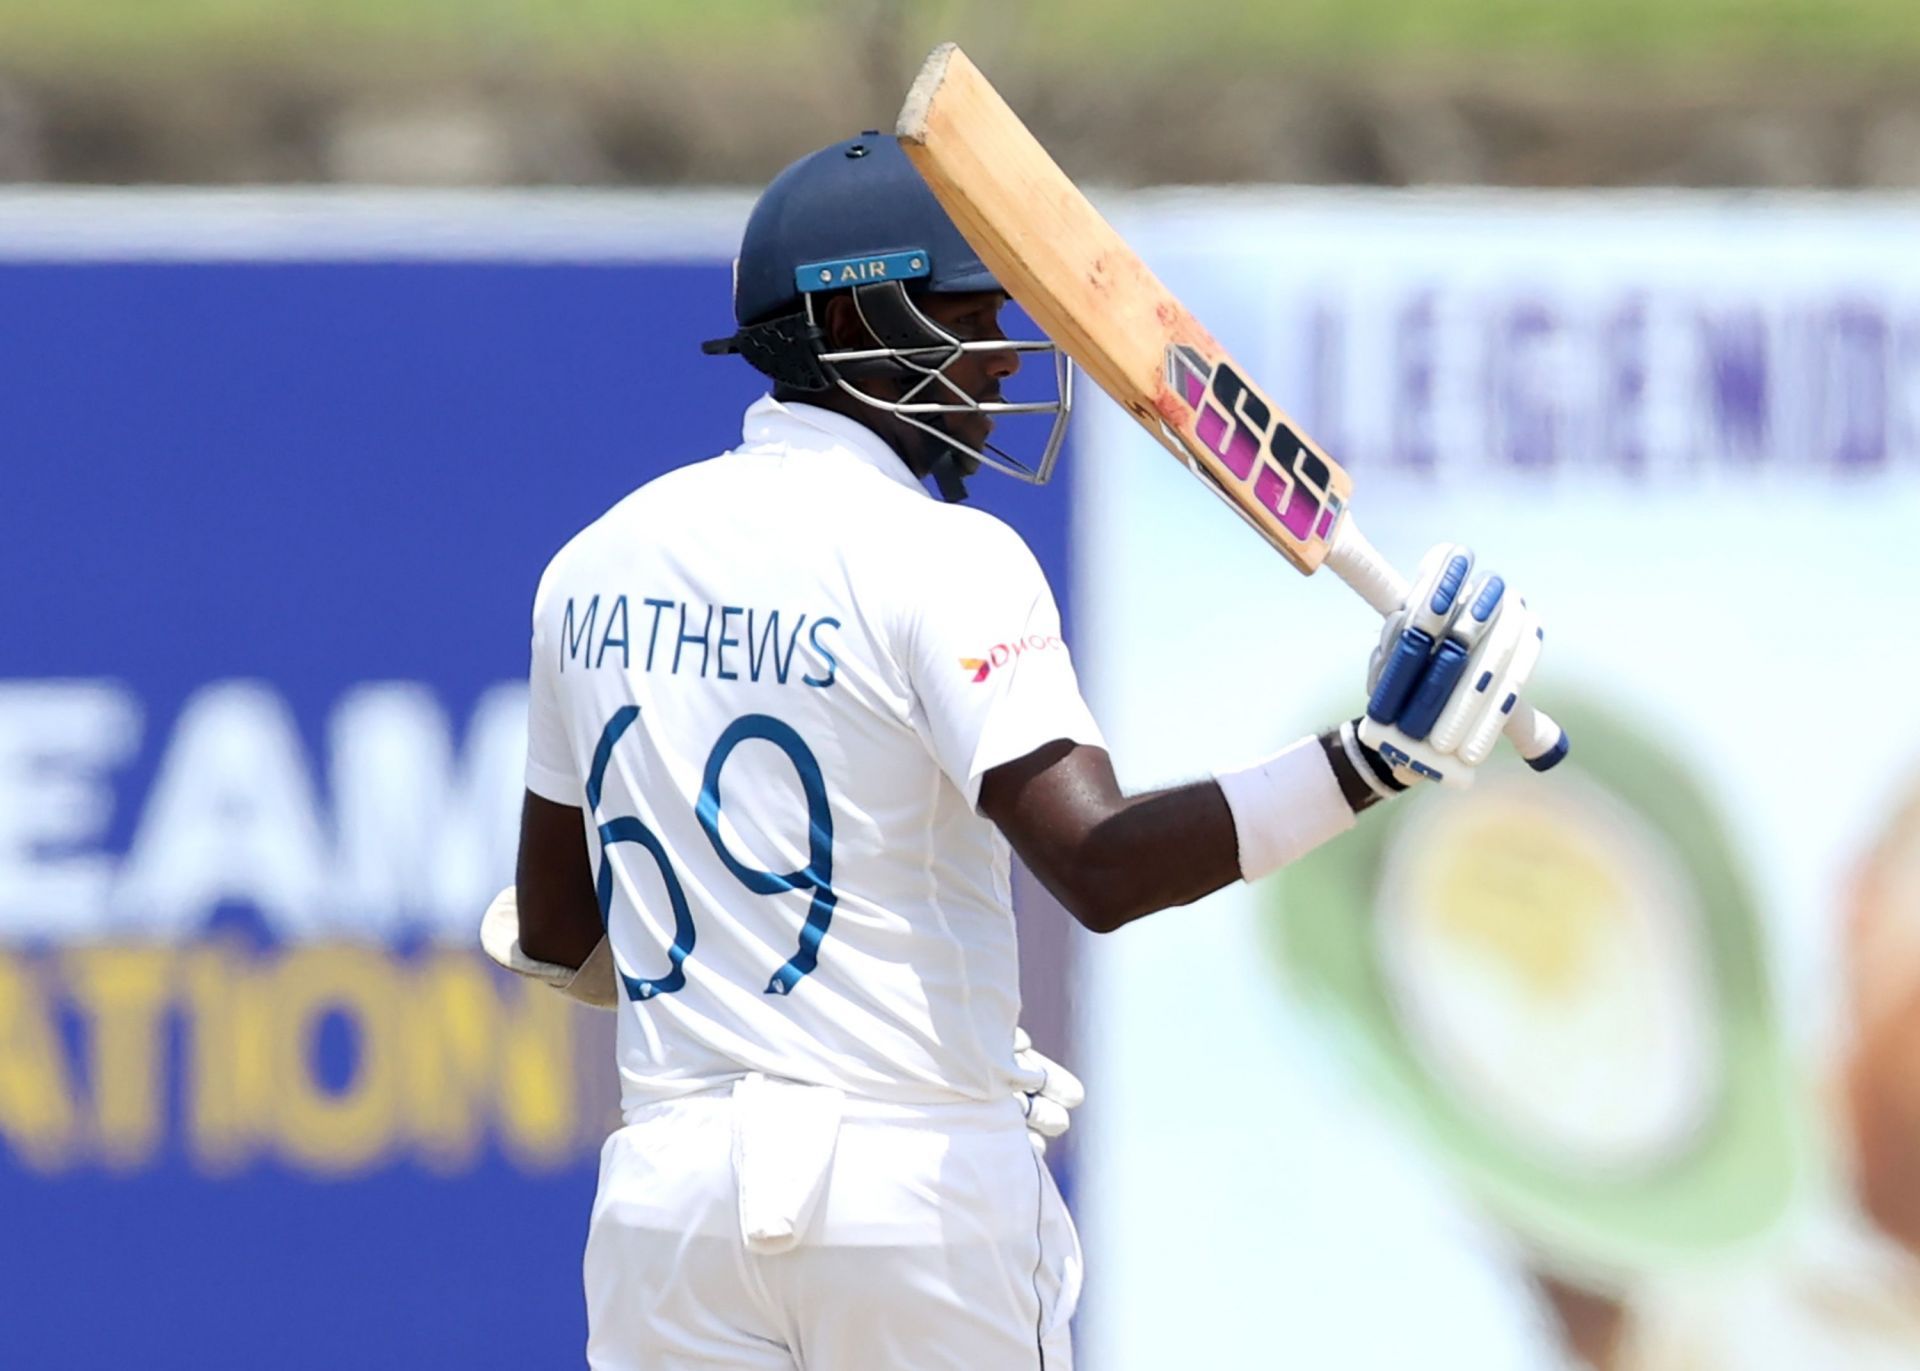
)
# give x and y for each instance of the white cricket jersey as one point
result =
(773, 681)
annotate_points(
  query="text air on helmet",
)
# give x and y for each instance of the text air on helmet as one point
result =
(856, 217)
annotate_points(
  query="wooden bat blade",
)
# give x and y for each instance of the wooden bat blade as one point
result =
(1054, 253)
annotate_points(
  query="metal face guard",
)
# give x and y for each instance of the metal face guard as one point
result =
(916, 349)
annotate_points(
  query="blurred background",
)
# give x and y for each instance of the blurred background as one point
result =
(323, 326)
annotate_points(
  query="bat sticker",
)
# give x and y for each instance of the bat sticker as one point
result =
(1237, 424)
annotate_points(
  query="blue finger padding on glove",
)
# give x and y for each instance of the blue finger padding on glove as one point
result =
(1489, 599)
(1449, 586)
(1423, 708)
(1486, 679)
(1400, 675)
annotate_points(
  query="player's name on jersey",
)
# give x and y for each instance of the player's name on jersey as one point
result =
(713, 642)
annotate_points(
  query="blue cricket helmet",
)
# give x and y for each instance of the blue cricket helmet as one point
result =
(858, 199)
(856, 217)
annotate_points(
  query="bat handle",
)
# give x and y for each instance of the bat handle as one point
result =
(1358, 562)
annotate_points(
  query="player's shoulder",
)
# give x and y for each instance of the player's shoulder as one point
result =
(940, 547)
(691, 482)
(646, 506)
(972, 528)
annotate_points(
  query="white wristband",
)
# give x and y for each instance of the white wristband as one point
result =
(1284, 807)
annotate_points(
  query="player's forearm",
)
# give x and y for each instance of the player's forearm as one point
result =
(564, 938)
(1150, 852)
(1112, 858)
(1109, 858)
(559, 912)
(1172, 847)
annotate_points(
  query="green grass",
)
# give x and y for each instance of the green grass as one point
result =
(1712, 32)
(633, 36)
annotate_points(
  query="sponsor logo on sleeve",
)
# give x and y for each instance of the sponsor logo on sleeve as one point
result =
(1001, 654)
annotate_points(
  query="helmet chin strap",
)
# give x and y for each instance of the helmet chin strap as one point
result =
(946, 473)
(945, 463)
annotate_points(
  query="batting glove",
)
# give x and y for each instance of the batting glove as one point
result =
(1449, 666)
(1048, 1103)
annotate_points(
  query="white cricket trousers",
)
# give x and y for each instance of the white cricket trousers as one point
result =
(916, 1238)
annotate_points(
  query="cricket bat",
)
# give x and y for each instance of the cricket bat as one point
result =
(1065, 265)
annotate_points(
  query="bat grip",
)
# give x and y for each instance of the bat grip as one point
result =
(1358, 562)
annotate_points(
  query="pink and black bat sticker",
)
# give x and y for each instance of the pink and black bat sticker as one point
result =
(1238, 425)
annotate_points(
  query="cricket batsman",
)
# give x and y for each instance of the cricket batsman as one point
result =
(791, 716)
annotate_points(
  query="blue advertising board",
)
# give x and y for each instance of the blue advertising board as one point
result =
(270, 524)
